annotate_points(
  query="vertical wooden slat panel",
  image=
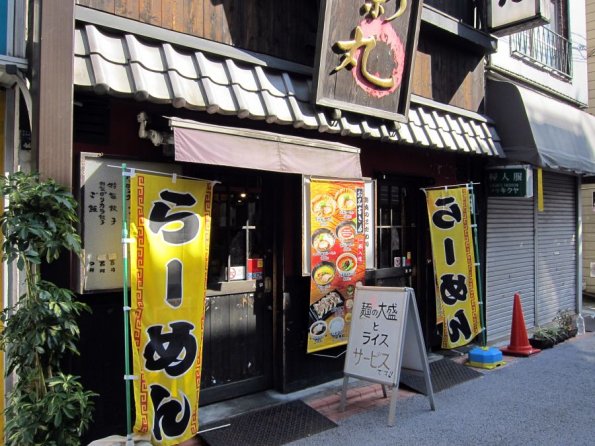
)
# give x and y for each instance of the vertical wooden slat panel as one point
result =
(103, 5)
(193, 14)
(173, 15)
(127, 8)
(150, 11)
(209, 28)
(422, 75)
(223, 16)
(52, 90)
(248, 36)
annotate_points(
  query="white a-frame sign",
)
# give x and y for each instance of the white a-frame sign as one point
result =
(385, 337)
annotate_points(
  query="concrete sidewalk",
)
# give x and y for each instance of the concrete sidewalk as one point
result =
(363, 397)
(546, 399)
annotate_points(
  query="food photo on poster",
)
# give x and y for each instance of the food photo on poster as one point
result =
(337, 259)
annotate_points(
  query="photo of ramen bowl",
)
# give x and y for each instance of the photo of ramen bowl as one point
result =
(346, 264)
(346, 200)
(323, 206)
(318, 330)
(323, 240)
(336, 326)
(346, 232)
(324, 273)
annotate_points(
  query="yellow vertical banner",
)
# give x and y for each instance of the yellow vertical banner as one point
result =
(338, 261)
(170, 225)
(454, 264)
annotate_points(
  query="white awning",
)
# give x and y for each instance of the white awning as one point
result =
(540, 130)
(197, 142)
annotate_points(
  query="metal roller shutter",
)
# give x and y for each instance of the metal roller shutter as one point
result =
(510, 263)
(556, 247)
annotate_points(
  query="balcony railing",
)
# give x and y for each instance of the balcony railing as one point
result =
(545, 48)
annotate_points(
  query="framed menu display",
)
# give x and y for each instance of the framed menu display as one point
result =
(335, 240)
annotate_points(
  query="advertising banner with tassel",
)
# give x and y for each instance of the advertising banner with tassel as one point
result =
(457, 300)
(170, 225)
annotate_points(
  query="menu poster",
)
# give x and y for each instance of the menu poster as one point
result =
(337, 246)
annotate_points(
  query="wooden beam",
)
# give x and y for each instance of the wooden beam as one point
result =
(52, 49)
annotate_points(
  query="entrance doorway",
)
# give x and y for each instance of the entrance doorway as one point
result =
(237, 345)
(403, 254)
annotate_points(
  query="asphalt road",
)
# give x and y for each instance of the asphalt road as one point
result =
(546, 399)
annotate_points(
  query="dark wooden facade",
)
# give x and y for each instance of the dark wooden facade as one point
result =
(287, 29)
(444, 71)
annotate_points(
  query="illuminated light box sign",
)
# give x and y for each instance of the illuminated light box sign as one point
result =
(512, 16)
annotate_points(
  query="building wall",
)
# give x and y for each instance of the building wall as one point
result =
(573, 88)
(2, 154)
(590, 51)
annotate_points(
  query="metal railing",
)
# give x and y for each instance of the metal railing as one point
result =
(545, 48)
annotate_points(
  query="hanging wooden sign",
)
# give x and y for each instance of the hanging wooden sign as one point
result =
(365, 55)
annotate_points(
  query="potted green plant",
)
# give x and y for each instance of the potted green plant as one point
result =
(544, 337)
(565, 321)
(45, 406)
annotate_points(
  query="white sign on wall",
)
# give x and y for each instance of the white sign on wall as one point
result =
(101, 219)
(510, 16)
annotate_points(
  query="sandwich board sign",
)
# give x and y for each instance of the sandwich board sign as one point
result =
(385, 338)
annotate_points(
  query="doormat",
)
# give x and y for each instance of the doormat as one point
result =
(444, 373)
(272, 426)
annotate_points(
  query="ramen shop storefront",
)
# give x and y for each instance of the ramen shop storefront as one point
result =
(256, 234)
(271, 225)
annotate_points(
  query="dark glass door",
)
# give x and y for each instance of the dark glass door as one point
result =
(237, 346)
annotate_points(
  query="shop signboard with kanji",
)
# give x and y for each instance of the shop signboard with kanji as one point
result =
(365, 56)
(378, 323)
(337, 258)
(513, 181)
(385, 338)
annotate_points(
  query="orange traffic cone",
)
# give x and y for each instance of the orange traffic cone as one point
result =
(519, 342)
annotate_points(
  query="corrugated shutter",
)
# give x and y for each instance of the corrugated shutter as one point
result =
(510, 263)
(556, 247)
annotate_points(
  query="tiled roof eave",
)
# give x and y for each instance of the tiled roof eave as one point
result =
(126, 66)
